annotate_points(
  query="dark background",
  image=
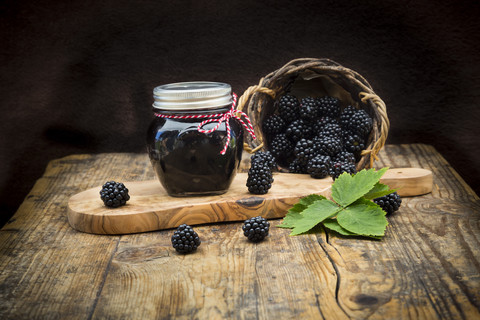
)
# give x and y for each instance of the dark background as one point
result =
(77, 76)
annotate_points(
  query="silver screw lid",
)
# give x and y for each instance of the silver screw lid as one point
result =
(192, 95)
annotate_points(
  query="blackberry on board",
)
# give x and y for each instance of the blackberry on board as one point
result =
(308, 109)
(389, 203)
(273, 125)
(338, 168)
(259, 179)
(319, 166)
(289, 108)
(256, 229)
(329, 106)
(114, 194)
(264, 157)
(185, 239)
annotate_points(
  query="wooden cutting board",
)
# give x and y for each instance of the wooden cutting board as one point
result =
(150, 208)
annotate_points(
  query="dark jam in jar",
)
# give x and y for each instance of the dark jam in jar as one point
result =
(187, 161)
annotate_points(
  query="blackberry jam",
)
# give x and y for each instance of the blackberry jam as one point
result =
(188, 141)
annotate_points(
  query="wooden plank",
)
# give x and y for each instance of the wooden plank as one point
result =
(427, 265)
(151, 208)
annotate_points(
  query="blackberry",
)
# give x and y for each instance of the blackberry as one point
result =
(330, 129)
(304, 150)
(308, 109)
(296, 166)
(114, 194)
(264, 157)
(281, 147)
(327, 145)
(356, 121)
(319, 166)
(273, 125)
(297, 130)
(340, 167)
(344, 156)
(329, 106)
(389, 203)
(259, 179)
(256, 229)
(353, 143)
(185, 239)
(289, 108)
(322, 122)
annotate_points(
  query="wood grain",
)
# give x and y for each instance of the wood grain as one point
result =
(151, 208)
(426, 267)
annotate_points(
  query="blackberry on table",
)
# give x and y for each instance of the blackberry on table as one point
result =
(114, 194)
(327, 145)
(389, 203)
(308, 109)
(289, 108)
(319, 166)
(340, 167)
(297, 130)
(185, 239)
(264, 157)
(259, 179)
(273, 125)
(256, 229)
(281, 147)
(304, 150)
(329, 106)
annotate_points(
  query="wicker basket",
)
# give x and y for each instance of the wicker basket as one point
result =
(316, 77)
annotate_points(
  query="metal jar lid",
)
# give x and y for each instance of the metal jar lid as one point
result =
(192, 95)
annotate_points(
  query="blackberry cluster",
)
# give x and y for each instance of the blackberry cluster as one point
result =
(260, 176)
(316, 136)
(389, 203)
(256, 229)
(114, 194)
(185, 239)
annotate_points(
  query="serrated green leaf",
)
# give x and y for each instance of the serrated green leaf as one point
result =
(366, 219)
(332, 224)
(379, 190)
(295, 213)
(348, 188)
(314, 214)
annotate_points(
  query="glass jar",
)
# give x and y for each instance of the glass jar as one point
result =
(194, 148)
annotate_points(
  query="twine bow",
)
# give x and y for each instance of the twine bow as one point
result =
(219, 118)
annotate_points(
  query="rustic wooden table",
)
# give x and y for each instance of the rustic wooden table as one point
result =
(427, 265)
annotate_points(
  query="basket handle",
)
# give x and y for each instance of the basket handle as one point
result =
(242, 103)
(384, 125)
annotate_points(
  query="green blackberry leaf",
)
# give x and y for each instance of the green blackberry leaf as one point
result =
(379, 190)
(363, 218)
(348, 188)
(295, 212)
(314, 214)
(332, 224)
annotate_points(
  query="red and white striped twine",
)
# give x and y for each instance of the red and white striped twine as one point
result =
(221, 117)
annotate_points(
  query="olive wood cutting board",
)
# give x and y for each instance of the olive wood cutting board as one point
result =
(150, 208)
